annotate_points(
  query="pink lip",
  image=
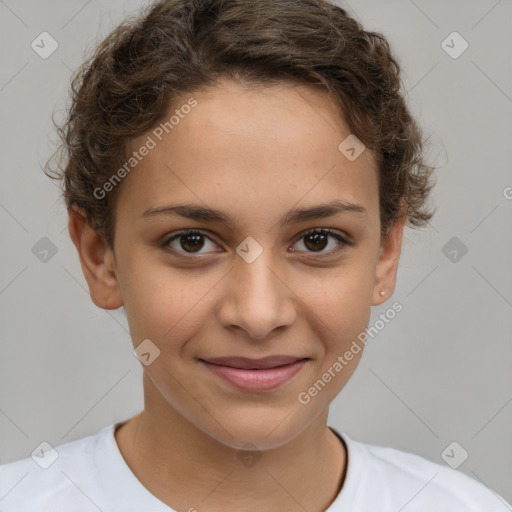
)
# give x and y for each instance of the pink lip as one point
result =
(256, 379)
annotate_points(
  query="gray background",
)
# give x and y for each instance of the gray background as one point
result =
(439, 372)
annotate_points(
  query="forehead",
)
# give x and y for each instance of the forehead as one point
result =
(239, 148)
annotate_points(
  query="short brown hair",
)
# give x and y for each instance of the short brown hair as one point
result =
(179, 46)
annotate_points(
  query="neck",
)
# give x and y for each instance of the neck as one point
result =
(187, 469)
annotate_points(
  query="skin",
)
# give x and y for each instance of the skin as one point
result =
(253, 153)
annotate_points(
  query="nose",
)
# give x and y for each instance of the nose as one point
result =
(257, 298)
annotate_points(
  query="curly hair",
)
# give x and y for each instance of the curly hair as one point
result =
(173, 47)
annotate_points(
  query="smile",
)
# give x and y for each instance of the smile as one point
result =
(251, 379)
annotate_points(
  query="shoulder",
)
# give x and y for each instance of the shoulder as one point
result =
(52, 478)
(403, 479)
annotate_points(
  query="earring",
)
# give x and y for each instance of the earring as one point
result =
(382, 294)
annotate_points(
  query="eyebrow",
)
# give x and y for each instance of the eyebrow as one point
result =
(295, 215)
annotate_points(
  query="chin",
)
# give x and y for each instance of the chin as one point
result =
(264, 431)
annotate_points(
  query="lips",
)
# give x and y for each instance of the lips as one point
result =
(255, 374)
(246, 363)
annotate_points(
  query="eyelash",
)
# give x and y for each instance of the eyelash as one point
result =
(323, 231)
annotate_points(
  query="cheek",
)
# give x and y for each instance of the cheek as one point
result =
(341, 301)
(342, 314)
(166, 305)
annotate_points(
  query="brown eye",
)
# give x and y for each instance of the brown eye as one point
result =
(188, 242)
(191, 242)
(316, 240)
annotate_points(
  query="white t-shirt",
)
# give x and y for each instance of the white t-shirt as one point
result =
(90, 475)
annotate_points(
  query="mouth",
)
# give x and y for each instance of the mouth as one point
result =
(255, 374)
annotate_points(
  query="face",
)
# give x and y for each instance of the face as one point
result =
(253, 278)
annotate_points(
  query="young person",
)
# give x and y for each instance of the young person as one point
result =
(238, 178)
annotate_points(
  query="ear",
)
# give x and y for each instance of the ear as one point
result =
(96, 259)
(387, 264)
